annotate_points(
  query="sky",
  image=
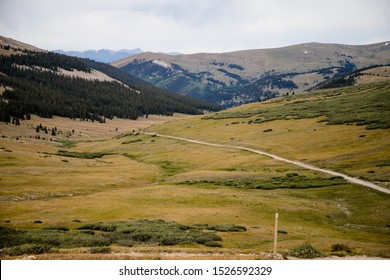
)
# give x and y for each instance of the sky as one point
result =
(191, 26)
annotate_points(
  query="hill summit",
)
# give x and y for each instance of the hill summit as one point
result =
(234, 78)
(47, 84)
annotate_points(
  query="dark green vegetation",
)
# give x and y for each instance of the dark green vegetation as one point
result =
(266, 86)
(350, 105)
(306, 251)
(100, 235)
(80, 155)
(231, 79)
(290, 181)
(77, 198)
(33, 86)
(344, 79)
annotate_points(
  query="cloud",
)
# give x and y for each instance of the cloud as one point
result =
(192, 25)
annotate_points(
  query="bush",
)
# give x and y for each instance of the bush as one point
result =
(212, 244)
(227, 228)
(132, 141)
(126, 242)
(99, 226)
(60, 228)
(100, 250)
(29, 249)
(88, 231)
(105, 234)
(305, 251)
(204, 237)
(65, 153)
(172, 239)
(340, 248)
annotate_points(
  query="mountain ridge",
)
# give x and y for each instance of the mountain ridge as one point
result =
(49, 84)
(102, 55)
(244, 76)
(12, 43)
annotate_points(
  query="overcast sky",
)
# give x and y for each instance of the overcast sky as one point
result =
(190, 26)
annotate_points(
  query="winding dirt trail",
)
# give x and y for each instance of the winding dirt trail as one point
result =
(298, 163)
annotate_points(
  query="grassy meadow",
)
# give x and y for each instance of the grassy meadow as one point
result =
(109, 191)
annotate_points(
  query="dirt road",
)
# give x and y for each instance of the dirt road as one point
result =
(298, 163)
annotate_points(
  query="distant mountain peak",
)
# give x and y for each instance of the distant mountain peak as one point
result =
(232, 78)
(102, 55)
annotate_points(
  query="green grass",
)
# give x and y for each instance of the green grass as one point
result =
(305, 251)
(290, 181)
(341, 106)
(216, 191)
(67, 143)
(100, 235)
(82, 155)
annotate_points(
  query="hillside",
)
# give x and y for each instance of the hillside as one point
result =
(366, 75)
(9, 45)
(120, 190)
(49, 84)
(230, 79)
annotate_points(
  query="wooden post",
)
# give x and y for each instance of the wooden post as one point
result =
(276, 233)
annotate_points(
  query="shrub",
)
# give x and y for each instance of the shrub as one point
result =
(227, 228)
(88, 231)
(30, 249)
(126, 242)
(204, 237)
(340, 248)
(100, 250)
(132, 141)
(99, 226)
(141, 236)
(60, 228)
(171, 239)
(200, 226)
(212, 244)
(88, 240)
(65, 153)
(305, 251)
(105, 234)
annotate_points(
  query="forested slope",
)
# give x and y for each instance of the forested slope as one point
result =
(32, 83)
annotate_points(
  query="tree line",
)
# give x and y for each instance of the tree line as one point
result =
(44, 92)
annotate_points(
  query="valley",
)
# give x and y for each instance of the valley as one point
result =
(101, 183)
(235, 78)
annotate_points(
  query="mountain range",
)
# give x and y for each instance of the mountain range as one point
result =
(106, 55)
(103, 55)
(234, 78)
(33, 81)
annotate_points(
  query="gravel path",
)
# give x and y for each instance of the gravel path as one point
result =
(298, 163)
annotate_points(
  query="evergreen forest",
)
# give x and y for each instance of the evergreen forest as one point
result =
(31, 83)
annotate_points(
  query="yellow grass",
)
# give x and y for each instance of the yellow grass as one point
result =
(339, 147)
(146, 179)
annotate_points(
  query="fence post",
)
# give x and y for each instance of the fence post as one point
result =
(276, 233)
